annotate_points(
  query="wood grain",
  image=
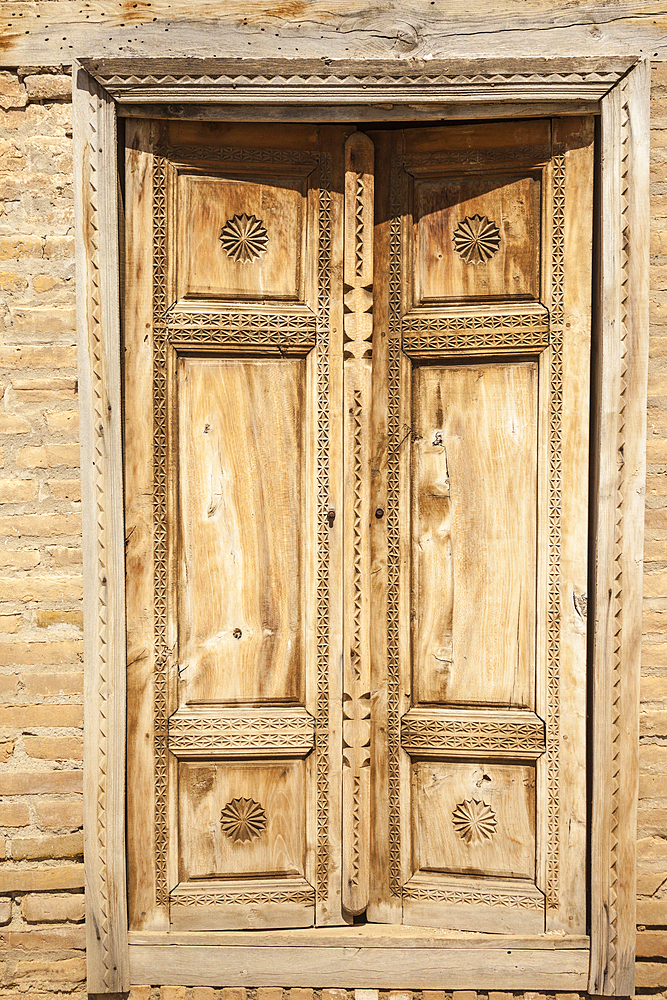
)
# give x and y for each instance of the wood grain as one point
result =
(474, 534)
(241, 530)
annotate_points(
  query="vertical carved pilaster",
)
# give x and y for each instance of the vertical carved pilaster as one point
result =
(358, 332)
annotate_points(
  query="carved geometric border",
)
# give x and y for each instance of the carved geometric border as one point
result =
(619, 497)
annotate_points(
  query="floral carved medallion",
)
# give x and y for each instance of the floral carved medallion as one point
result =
(476, 239)
(474, 821)
(244, 238)
(243, 820)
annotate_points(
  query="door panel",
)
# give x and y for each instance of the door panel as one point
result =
(474, 488)
(241, 573)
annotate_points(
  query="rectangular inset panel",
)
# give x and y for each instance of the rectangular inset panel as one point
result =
(476, 237)
(474, 818)
(241, 819)
(241, 238)
(474, 495)
(241, 529)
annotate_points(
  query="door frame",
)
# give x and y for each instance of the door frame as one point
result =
(618, 90)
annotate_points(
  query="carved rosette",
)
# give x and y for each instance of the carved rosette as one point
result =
(476, 239)
(243, 820)
(244, 238)
(474, 821)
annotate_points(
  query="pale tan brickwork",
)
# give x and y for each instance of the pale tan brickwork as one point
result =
(42, 936)
(41, 869)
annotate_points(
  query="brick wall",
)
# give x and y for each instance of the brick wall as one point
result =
(41, 870)
(41, 680)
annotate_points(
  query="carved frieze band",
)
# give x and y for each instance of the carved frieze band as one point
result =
(304, 896)
(477, 333)
(285, 332)
(247, 734)
(554, 518)
(473, 897)
(468, 737)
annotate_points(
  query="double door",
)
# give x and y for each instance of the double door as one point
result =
(356, 471)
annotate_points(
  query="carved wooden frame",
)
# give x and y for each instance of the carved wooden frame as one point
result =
(618, 90)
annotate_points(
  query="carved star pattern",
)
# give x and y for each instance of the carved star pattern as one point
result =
(476, 239)
(474, 820)
(244, 238)
(243, 820)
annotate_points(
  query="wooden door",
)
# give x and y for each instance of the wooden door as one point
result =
(479, 553)
(356, 461)
(233, 442)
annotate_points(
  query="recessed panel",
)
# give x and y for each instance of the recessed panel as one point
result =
(474, 493)
(240, 453)
(240, 238)
(476, 238)
(474, 818)
(241, 819)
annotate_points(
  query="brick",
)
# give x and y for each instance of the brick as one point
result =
(10, 423)
(54, 747)
(44, 283)
(653, 689)
(68, 845)
(48, 87)
(66, 938)
(40, 525)
(43, 321)
(363, 994)
(65, 420)
(51, 685)
(652, 944)
(648, 883)
(9, 685)
(294, 994)
(19, 558)
(70, 970)
(3, 848)
(41, 782)
(64, 555)
(45, 588)
(53, 909)
(37, 356)
(172, 993)
(59, 247)
(5, 911)
(10, 282)
(10, 623)
(239, 993)
(59, 814)
(656, 451)
(331, 994)
(39, 390)
(22, 879)
(276, 993)
(20, 247)
(651, 821)
(14, 814)
(27, 716)
(48, 456)
(65, 489)
(650, 974)
(12, 92)
(6, 748)
(653, 757)
(198, 993)
(652, 786)
(18, 490)
(46, 619)
(56, 651)
(655, 584)
(464, 995)
(653, 723)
